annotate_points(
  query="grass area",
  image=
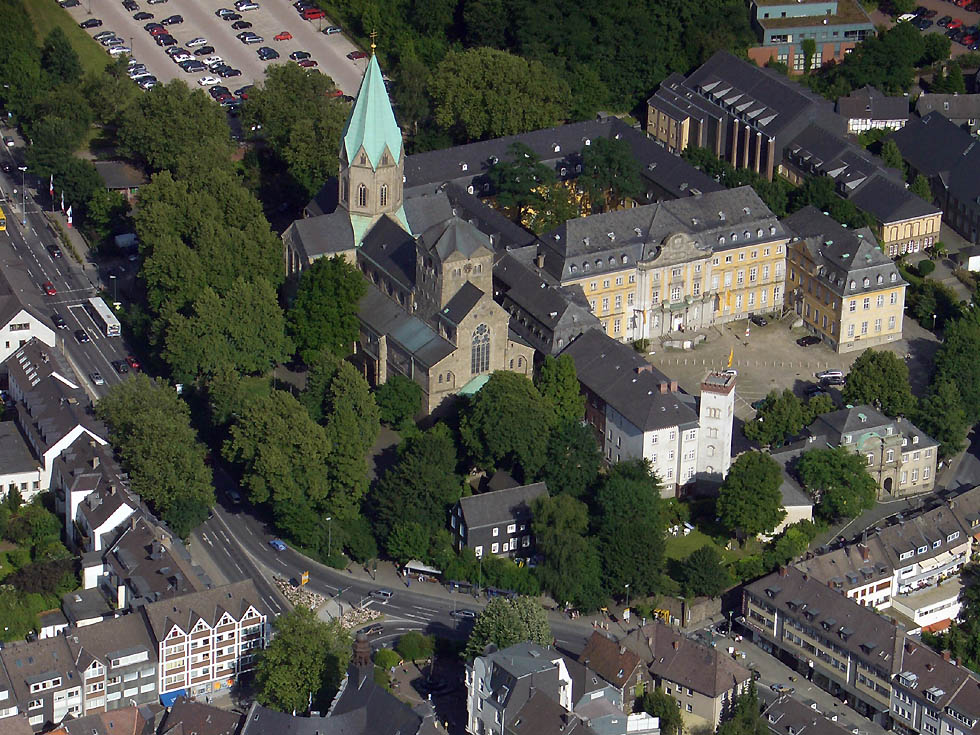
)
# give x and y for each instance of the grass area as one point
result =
(47, 15)
(680, 547)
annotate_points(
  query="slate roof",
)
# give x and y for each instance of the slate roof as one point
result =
(500, 506)
(371, 123)
(932, 145)
(461, 303)
(964, 184)
(392, 250)
(40, 660)
(888, 201)
(384, 316)
(200, 719)
(628, 383)
(124, 721)
(788, 716)
(868, 103)
(951, 685)
(85, 605)
(952, 106)
(966, 508)
(541, 714)
(672, 656)
(120, 175)
(112, 638)
(15, 454)
(503, 232)
(16, 725)
(454, 235)
(208, 605)
(859, 421)
(613, 662)
(361, 706)
(99, 506)
(321, 235)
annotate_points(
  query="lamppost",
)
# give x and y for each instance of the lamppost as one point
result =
(23, 193)
(115, 290)
(933, 322)
(329, 535)
(627, 610)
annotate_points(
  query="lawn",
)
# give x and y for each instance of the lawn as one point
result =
(47, 15)
(680, 547)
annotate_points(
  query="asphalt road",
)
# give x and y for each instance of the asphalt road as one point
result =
(272, 17)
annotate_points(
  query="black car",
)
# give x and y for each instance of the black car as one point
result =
(812, 391)
(90, 23)
(808, 341)
(241, 25)
(173, 20)
(243, 91)
(758, 320)
(143, 15)
(55, 251)
(231, 16)
(120, 366)
(300, 55)
(267, 54)
(131, 5)
(191, 65)
(152, 27)
(204, 51)
(59, 321)
(944, 21)
(218, 90)
(228, 73)
(82, 336)
(166, 40)
(834, 380)
(69, 3)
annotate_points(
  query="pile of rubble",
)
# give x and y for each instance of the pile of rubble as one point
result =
(298, 595)
(357, 618)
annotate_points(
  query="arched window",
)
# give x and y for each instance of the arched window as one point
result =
(361, 195)
(440, 377)
(383, 195)
(520, 362)
(345, 191)
(480, 352)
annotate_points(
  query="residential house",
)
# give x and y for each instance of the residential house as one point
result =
(187, 716)
(119, 176)
(835, 27)
(497, 522)
(969, 258)
(15, 724)
(868, 109)
(92, 492)
(960, 109)
(900, 457)
(839, 645)
(845, 289)
(640, 413)
(19, 324)
(966, 508)
(8, 700)
(86, 607)
(206, 639)
(618, 665)
(19, 469)
(786, 715)
(125, 721)
(743, 114)
(704, 681)
(44, 680)
(948, 157)
(797, 504)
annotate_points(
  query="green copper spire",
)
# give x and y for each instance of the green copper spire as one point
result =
(372, 123)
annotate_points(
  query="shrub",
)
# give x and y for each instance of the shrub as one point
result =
(386, 659)
(925, 267)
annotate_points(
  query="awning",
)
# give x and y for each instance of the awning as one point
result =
(169, 698)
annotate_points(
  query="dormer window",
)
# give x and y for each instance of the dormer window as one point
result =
(867, 282)
(463, 167)
(893, 277)
(588, 141)
(922, 549)
(880, 279)
(915, 440)
(853, 285)
(846, 439)
(557, 148)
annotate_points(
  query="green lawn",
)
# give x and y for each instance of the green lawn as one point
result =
(47, 15)
(680, 547)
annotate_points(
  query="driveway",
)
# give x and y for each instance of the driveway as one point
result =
(273, 17)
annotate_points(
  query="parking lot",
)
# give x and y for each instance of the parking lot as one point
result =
(271, 18)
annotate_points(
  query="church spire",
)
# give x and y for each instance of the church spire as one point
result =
(371, 124)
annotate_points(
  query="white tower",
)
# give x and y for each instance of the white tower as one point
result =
(717, 413)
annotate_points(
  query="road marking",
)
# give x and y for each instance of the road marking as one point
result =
(205, 539)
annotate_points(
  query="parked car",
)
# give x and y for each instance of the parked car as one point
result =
(812, 391)
(90, 23)
(143, 15)
(267, 54)
(120, 366)
(758, 320)
(199, 41)
(224, 13)
(173, 20)
(313, 14)
(103, 34)
(132, 362)
(241, 25)
(284, 36)
(307, 63)
(330, 30)
(8, 141)
(837, 380)
(207, 81)
(829, 374)
(130, 5)
(782, 689)
(944, 21)
(232, 16)
(278, 545)
(355, 55)
(204, 51)
(247, 6)
(808, 341)
(300, 55)
(463, 614)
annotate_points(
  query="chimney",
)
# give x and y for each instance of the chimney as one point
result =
(677, 645)
(95, 463)
(946, 654)
(673, 386)
(644, 368)
(864, 551)
(539, 260)
(663, 387)
(783, 571)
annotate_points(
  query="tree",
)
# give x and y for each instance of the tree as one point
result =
(176, 128)
(809, 47)
(414, 646)
(506, 621)
(554, 205)
(408, 541)
(745, 718)
(306, 658)
(324, 313)
(111, 92)
(506, 424)
(780, 417)
(816, 406)
(630, 528)
(891, 156)
(920, 187)
(558, 384)
(750, 502)
(571, 569)
(399, 400)
(59, 60)
(609, 173)
(572, 459)
(485, 93)
(881, 379)
(703, 572)
(517, 179)
(956, 361)
(106, 213)
(660, 704)
(385, 658)
(421, 486)
(839, 480)
(941, 415)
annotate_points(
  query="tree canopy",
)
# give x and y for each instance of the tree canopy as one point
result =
(609, 173)
(941, 415)
(750, 502)
(557, 382)
(704, 572)
(839, 480)
(572, 459)
(506, 621)
(399, 400)
(518, 179)
(324, 313)
(881, 379)
(660, 704)
(956, 362)
(571, 570)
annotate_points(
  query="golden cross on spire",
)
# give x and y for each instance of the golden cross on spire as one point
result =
(374, 36)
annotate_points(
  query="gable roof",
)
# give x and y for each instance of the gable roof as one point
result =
(500, 506)
(371, 124)
(932, 144)
(200, 719)
(613, 662)
(861, 421)
(461, 303)
(952, 106)
(868, 103)
(207, 605)
(112, 638)
(384, 316)
(120, 175)
(541, 714)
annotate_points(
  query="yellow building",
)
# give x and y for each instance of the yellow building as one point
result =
(847, 291)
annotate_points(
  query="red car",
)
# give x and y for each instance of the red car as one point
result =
(355, 55)
(954, 24)
(132, 362)
(284, 36)
(307, 63)
(313, 14)
(49, 288)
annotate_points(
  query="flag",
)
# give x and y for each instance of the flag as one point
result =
(69, 215)
(51, 186)
(731, 355)
(62, 202)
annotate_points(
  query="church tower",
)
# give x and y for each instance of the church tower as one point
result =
(372, 157)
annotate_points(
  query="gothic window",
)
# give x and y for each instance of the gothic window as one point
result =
(383, 195)
(362, 196)
(363, 159)
(345, 191)
(480, 352)
(440, 377)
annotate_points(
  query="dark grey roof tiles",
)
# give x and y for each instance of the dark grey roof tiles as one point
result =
(209, 605)
(455, 235)
(384, 316)
(461, 303)
(15, 454)
(868, 103)
(500, 506)
(953, 106)
(392, 250)
(323, 235)
(932, 145)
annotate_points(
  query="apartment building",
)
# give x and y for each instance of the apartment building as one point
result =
(846, 290)
(617, 664)
(44, 681)
(932, 695)
(841, 646)
(497, 522)
(204, 640)
(20, 324)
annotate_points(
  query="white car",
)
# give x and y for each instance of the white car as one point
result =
(208, 81)
(181, 57)
(140, 75)
(120, 50)
(211, 60)
(246, 5)
(196, 42)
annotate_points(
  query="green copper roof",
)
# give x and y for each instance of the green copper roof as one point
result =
(372, 123)
(474, 385)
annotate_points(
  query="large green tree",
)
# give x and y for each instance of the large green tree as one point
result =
(571, 570)
(609, 173)
(780, 417)
(881, 379)
(399, 400)
(839, 480)
(58, 58)
(660, 704)
(486, 93)
(558, 384)
(572, 459)
(324, 313)
(956, 361)
(750, 502)
(941, 415)
(506, 621)
(307, 658)
(149, 426)
(518, 179)
(630, 528)
(506, 424)
(704, 572)
(745, 718)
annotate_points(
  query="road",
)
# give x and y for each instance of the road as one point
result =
(272, 17)
(25, 255)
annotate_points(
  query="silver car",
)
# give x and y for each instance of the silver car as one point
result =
(97, 378)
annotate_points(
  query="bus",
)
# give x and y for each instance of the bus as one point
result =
(3, 221)
(103, 316)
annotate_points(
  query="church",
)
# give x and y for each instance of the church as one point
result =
(429, 313)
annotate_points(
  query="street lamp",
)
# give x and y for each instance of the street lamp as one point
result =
(933, 322)
(115, 290)
(627, 611)
(329, 535)
(23, 193)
